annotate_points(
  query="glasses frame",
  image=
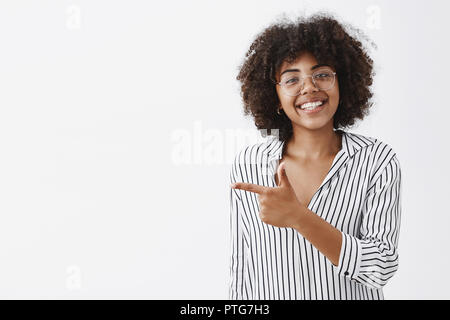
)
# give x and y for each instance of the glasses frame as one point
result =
(282, 84)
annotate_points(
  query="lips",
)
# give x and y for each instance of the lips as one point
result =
(324, 101)
(313, 111)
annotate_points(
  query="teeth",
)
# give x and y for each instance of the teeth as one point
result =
(311, 105)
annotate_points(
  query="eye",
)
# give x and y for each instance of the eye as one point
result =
(322, 75)
(291, 80)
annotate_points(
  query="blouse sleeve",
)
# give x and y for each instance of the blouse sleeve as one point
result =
(239, 288)
(372, 258)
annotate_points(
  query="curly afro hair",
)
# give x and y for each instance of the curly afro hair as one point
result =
(330, 42)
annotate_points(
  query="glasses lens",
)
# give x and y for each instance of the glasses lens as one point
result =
(323, 79)
(292, 84)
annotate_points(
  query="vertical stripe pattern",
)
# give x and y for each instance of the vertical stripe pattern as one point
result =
(360, 196)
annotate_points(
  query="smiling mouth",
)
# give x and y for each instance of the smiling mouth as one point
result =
(311, 105)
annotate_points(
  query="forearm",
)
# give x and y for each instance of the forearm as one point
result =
(322, 235)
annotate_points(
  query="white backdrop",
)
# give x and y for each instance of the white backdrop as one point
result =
(119, 120)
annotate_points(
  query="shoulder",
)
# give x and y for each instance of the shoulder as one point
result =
(250, 159)
(379, 151)
(380, 155)
(255, 153)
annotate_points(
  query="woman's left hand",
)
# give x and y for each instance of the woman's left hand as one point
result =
(279, 206)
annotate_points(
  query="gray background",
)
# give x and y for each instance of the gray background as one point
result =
(119, 120)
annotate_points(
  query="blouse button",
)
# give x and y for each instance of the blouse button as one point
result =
(346, 273)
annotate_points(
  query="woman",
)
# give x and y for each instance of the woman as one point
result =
(315, 212)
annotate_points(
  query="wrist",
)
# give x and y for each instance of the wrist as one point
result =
(301, 217)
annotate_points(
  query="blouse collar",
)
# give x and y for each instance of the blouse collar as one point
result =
(351, 144)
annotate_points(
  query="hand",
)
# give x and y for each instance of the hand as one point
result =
(279, 206)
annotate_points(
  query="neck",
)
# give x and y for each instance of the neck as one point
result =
(313, 145)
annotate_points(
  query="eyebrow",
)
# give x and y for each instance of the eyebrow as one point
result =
(312, 68)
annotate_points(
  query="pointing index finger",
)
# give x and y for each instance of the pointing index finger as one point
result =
(249, 187)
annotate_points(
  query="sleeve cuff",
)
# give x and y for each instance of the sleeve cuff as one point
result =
(349, 257)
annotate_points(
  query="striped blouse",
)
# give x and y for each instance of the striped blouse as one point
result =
(360, 196)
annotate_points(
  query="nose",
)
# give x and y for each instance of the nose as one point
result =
(308, 86)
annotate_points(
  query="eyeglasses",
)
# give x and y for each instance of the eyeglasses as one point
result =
(292, 84)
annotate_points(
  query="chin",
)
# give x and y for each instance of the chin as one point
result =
(314, 123)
